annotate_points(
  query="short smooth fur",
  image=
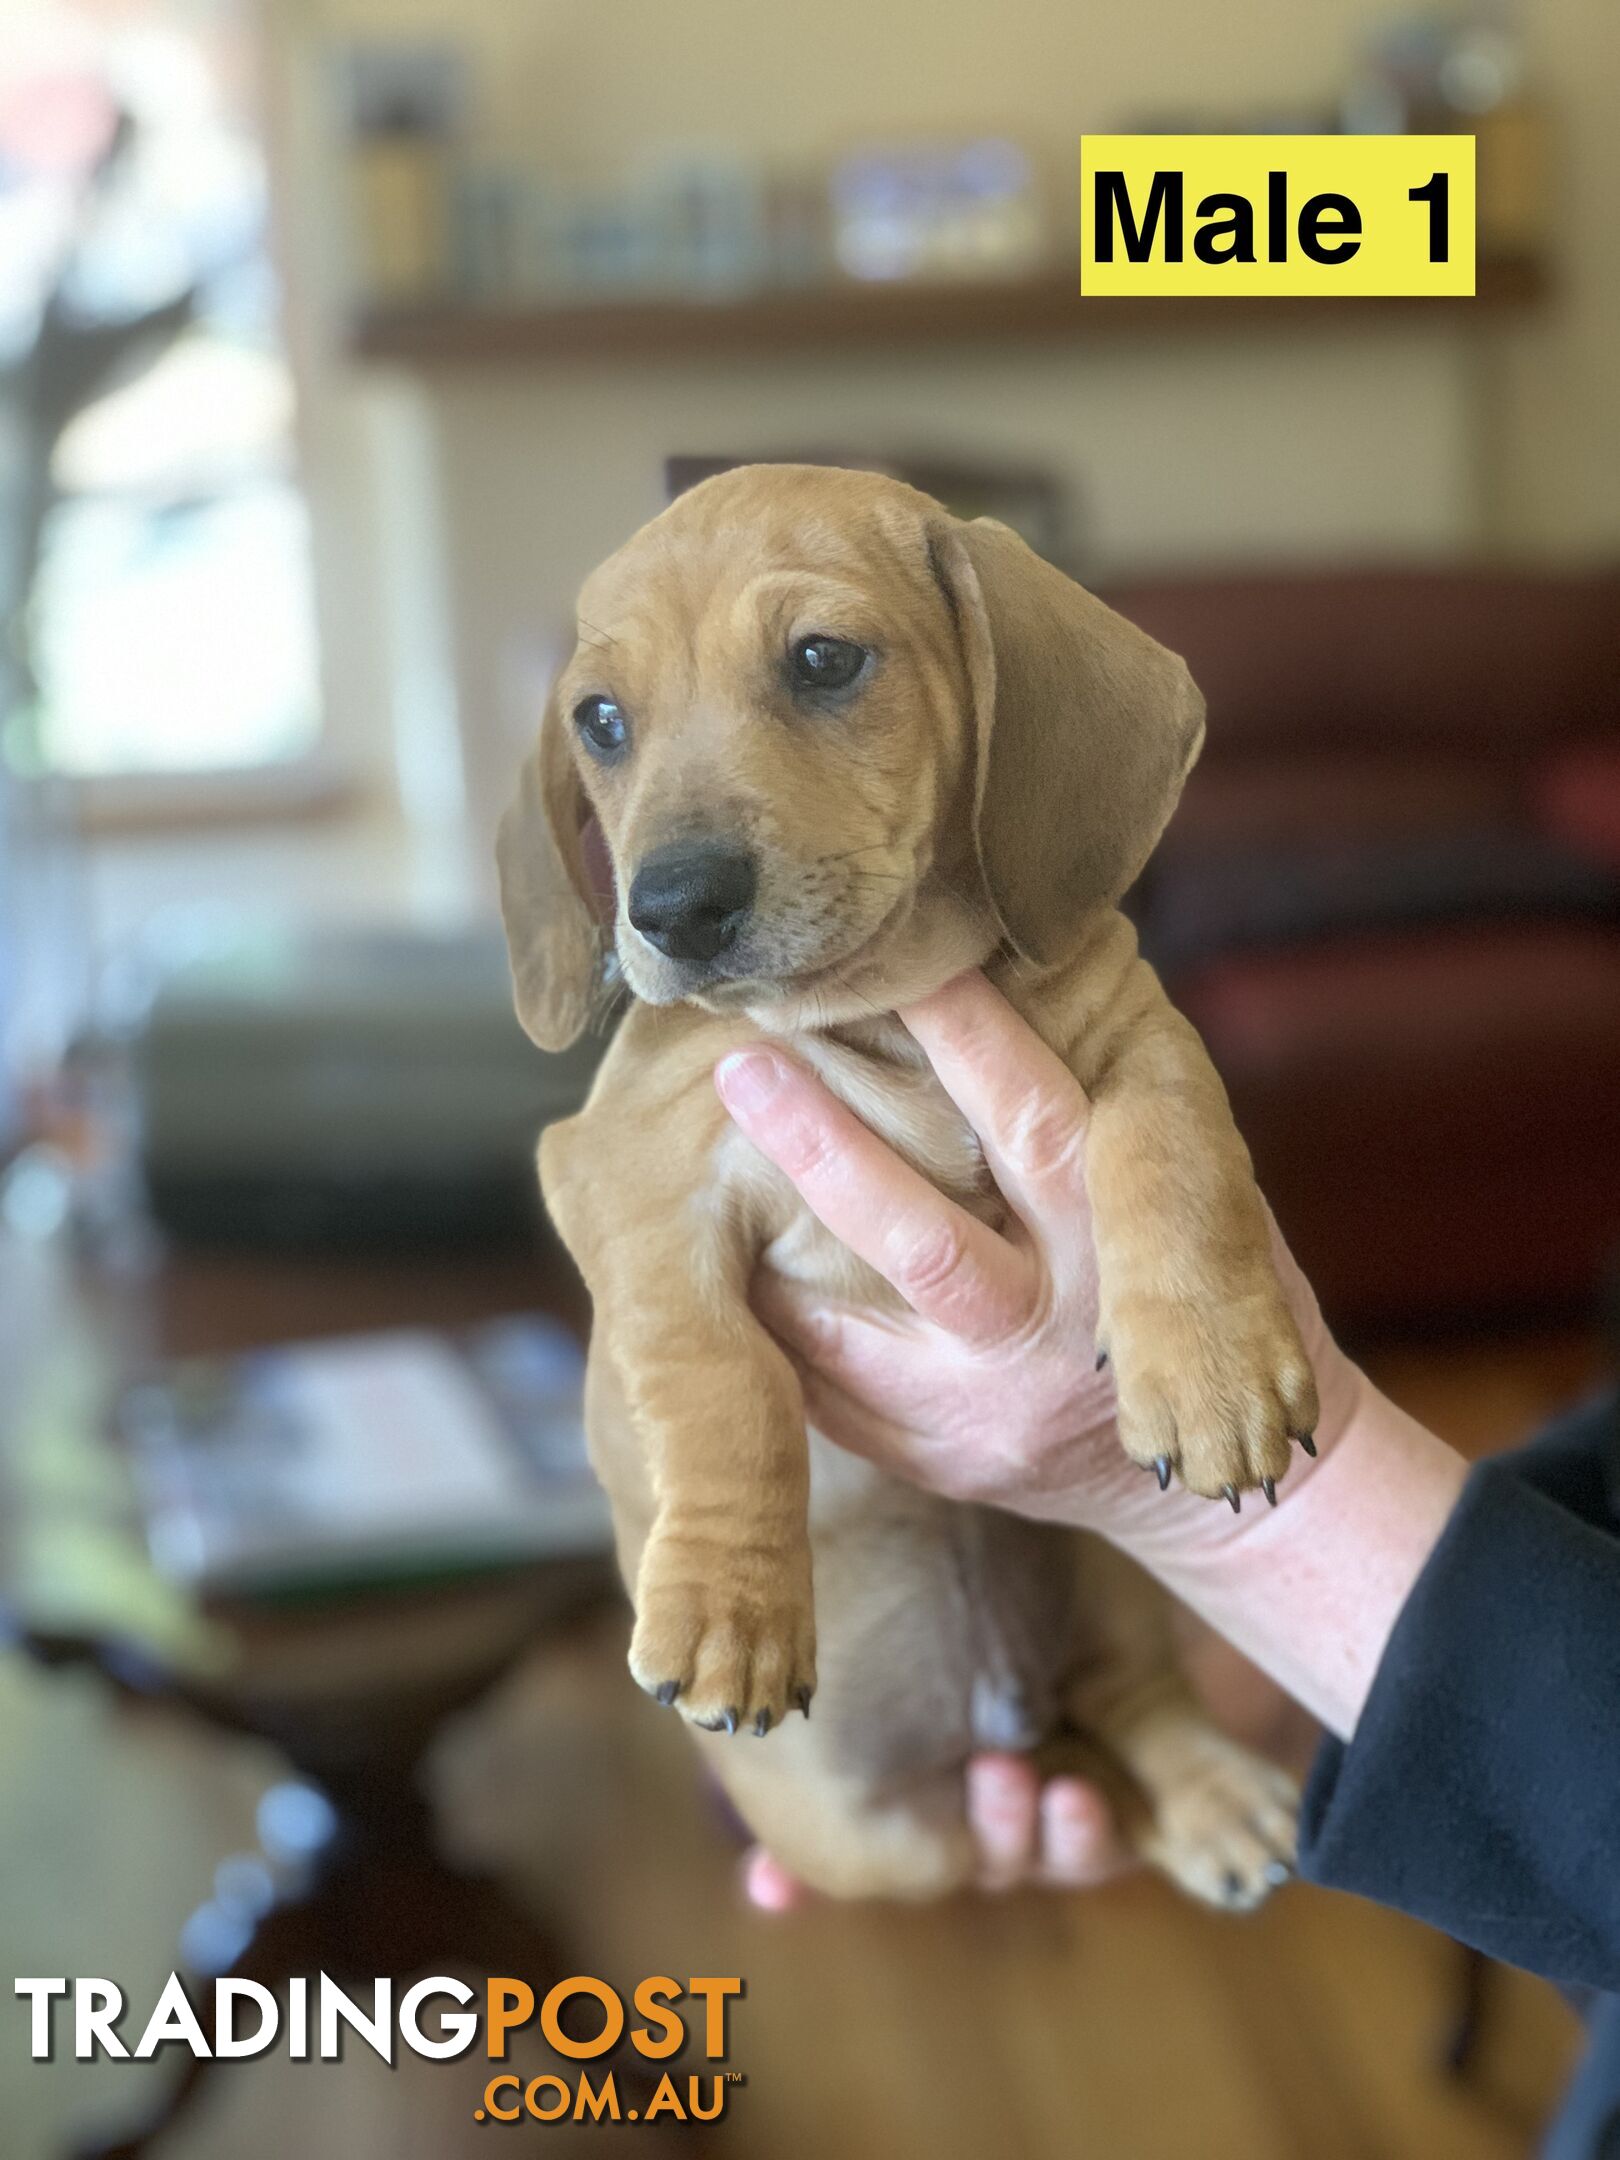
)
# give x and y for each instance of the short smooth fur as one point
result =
(982, 795)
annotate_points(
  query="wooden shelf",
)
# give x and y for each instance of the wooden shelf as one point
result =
(855, 317)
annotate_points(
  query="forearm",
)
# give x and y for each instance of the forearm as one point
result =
(1311, 1591)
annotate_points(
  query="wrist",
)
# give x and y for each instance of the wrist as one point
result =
(1311, 1591)
(1113, 1497)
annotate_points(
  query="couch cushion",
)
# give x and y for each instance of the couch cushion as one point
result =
(1577, 801)
(1342, 792)
(1435, 1118)
(1392, 656)
(1441, 994)
(1205, 901)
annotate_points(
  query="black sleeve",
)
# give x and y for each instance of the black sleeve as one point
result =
(1482, 1789)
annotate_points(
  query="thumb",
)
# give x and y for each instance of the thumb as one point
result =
(854, 1383)
(802, 1322)
(870, 1355)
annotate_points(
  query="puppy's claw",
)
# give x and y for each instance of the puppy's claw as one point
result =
(1161, 1470)
(802, 1697)
(762, 1724)
(720, 1641)
(1277, 1873)
(1268, 1485)
(1215, 1375)
(1230, 1494)
(1102, 1359)
(1307, 1441)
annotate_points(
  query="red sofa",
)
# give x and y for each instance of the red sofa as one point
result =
(1391, 902)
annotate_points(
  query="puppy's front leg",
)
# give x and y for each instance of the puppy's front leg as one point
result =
(725, 1624)
(1212, 1375)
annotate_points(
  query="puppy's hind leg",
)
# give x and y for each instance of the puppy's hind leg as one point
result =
(842, 1835)
(1218, 1819)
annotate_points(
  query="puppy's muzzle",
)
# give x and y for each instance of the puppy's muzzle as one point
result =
(691, 899)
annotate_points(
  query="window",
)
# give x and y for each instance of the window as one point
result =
(155, 571)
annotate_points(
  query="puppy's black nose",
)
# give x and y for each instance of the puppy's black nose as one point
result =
(692, 898)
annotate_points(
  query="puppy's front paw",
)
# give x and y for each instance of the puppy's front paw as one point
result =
(1226, 1829)
(1212, 1387)
(728, 1638)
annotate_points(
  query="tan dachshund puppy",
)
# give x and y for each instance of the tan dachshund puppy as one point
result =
(842, 745)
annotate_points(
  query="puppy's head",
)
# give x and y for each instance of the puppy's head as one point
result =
(839, 744)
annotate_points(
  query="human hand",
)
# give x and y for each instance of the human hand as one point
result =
(1060, 1835)
(988, 1389)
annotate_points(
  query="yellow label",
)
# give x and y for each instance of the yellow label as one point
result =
(1276, 215)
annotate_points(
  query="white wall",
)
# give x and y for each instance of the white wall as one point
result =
(1338, 445)
(1377, 437)
(1555, 374)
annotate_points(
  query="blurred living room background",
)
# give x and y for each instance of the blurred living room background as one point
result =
(338, 340)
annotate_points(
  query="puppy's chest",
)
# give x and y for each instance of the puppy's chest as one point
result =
(894, 1093)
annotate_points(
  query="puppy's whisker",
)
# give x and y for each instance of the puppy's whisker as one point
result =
(871, 848)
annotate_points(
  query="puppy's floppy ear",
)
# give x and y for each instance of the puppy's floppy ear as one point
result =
(552, 935)
(1085, 730)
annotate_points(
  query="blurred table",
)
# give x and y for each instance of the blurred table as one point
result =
(352, 1688)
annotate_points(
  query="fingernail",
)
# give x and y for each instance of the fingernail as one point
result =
(994, 1785)
(747, 1080)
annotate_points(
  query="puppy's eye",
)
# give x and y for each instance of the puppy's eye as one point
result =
(826, 663)
(602, 725)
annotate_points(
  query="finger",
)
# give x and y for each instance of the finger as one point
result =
(847, 1367)
(1003, 1805)
(1029, 1111)
(862, 1384)
(949, 1267)
(868, 1355)
(1081, 1847)
(767, 1885)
